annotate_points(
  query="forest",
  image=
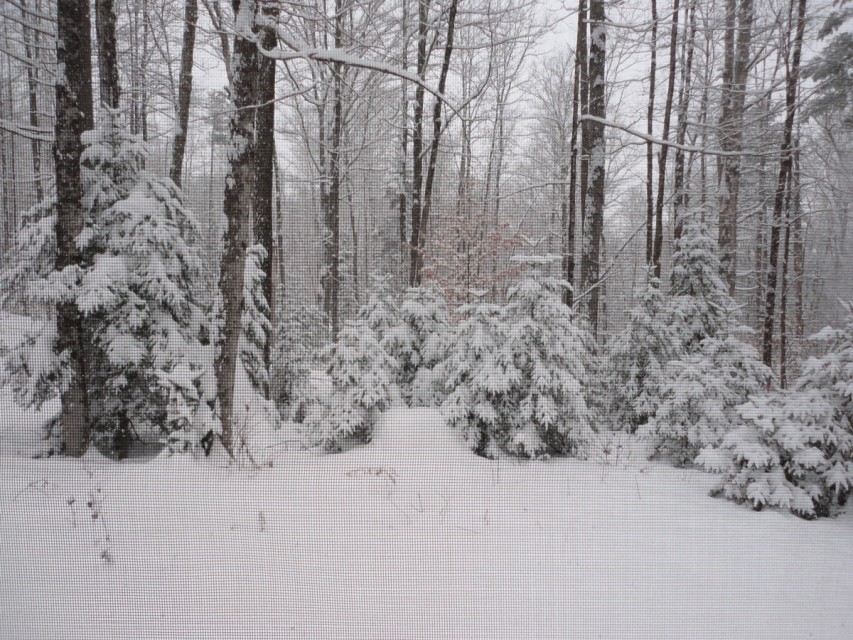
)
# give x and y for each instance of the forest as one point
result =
(399, 254)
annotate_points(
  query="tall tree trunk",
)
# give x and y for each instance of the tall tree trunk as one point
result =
(436, 137)
(185, 87)
(418, 143)
(679, 186)
(650, 153)
(237, 207)
(731, 129)
(332, 239)
(569, 225)
(662, 154)
(32, 54)
(594, 225)
(74, 115)
(799, 250)
(582, 53)
(264, 152)
(785, 161)
(404, 134)
(105, 26)
(783, 302)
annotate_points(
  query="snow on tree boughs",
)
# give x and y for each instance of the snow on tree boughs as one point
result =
(515, 374)
(637, 358)
(794, 449)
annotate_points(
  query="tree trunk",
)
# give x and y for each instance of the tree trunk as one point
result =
(662, 154)
(264, 152)
(105, 26)
(237, 207)
(593, 226)
(679, 186)
(74, 115)
(582, 53)
(785, 162)
(185, 86)
(32, 54)
(569, 225)
(650, 153)
(417, 144)
(436, 137)
(731, 129)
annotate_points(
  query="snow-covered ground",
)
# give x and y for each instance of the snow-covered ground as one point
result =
(409, 537)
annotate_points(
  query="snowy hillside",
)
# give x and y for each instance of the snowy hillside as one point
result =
(411, 536)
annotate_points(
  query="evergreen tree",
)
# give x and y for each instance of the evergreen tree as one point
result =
(700, 395)
(794, 449)
(362, 375)
(716, 371)
(636, 360)
(299, 338)
(699, 303)
(552, 351)
(135, 288)
(418, 343)
(515, 374)
(480, 376)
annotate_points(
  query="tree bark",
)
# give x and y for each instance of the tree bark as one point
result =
(418, 142)
(237, 207)
(32, 54)
(74, 115)
(185, 86)
(650, 154)
(569, 240)
(436, 137)
(731, 129)
(662, 154)
(105, 26)
(679, 186)
(264, 152)
(785, 162)
(594, 224)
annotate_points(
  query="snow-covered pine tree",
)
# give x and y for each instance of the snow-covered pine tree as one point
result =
(299, 337)
(794, 449)
(716, 371)
(139, 291)
(699, 303)
(418, 343)
(481, 378)
(552, 354)
(362, 375)
(380, 311)
(701, 393)
(136, 290)
(636, 359)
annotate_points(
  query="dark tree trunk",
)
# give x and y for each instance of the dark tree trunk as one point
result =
(650, 154)
(185, 87)
(785, 163)
(105, 26)
(436, 137)
(662, 154)
(264, 152)
(594, 225)
(731, 129)
(32, 54)
(418, 144)
(74, 115)
(679, 186)
(569, 225)
(583, 65)
(237, 207)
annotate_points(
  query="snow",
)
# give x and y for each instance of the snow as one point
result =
(410, 536)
